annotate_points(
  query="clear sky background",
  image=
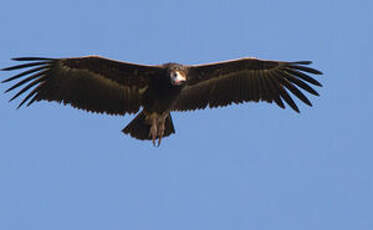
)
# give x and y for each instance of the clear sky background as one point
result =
(252, 166)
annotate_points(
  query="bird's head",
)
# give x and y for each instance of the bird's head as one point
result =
(177, 74)
(177, 77)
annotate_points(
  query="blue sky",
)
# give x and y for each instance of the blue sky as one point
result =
(250, 166)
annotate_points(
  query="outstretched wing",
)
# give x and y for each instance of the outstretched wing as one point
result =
(246, 79)
(92, 83)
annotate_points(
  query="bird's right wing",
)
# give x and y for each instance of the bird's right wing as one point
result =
(92, 83)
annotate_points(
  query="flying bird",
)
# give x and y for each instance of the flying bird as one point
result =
(102, 85)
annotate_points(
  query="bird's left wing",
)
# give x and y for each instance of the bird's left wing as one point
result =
(92, 83)
(246, 79)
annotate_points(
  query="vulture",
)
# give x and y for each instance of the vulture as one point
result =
(102, 85)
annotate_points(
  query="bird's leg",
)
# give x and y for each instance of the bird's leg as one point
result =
(157, 127)
(153, 130)
(161, 127)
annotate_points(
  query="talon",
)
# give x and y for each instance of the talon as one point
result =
(157, 128)
(153, 133)
(161, 129)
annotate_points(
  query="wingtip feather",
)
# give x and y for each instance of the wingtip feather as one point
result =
(302, 62)
(32, 59)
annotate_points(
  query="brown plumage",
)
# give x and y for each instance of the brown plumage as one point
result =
(102, 85)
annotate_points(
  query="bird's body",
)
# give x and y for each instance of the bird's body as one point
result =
(158, 100)
(102, 85)
(161, 93)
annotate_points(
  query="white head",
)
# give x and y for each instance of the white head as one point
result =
(177, 77)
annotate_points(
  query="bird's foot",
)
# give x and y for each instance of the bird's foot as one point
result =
(153, 133)
(161, 129)
(157, 128)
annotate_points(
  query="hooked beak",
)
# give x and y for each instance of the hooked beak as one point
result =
(177, 78)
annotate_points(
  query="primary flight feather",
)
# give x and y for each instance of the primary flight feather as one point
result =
(102, 85)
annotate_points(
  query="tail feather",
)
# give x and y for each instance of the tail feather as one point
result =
(139, 129)
(169, 126)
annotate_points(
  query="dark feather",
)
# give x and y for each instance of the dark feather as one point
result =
(33, 92)
(258, 80)
(294, 91)
(303, 76)
(287, 98)
(306, 69)
(26, 80)
(91, 83)
(26, 88)
(299, 83)
(24, 66)
(102, 85)
(33, 59)
(24, 73)
(277, 89)
(301, 62)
